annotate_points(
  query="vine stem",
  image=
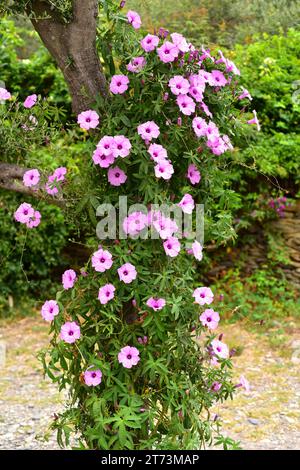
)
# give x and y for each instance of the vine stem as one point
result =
(80, 353)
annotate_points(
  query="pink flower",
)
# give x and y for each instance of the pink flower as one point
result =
(49, 310)
(180, 42)
(254, 121)
(106, 293)
(164, 169)
(217, 78)
(193, 174)
(165, 226)
(31, 178)
(214, 361)
(129, 356)
(88, 119)
(203, 295)
(203, 75)
(136, 64)
(4, 94)
(116, 176)
(68, 279)
(216, 386)
(244, 383)
(157, 152)
(150, 42)
(122, 146)
(135, 223)
(179, 85)
(220, 349)
(33, 121)
(30, 101)
(197, 81)
(143, 340)
(197, 93)
(107, 145)
(168, 52)
(59, 173)
(186, 104)
(206, 110)
(245, 94)
(148, 131)
(199, 126)
(210, 318)
(92, 378)
(102, 160)
(187, 204)
(217, 145)
(206, 54)
(127, 273)
(227, 142)
(102, 260)
(134, 19)
(35, 220)
(172, 246)
(197, 250)
(70, 332)
(119, 84)
(230, 66)
(24, 213)
(50, 186)
(212, 130)
(156, 304)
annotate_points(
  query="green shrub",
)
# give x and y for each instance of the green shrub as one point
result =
(222, 22)
(271, 67)
(28, 258)
(29, 69)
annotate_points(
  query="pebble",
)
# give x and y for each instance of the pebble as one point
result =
(253, 421)
(295, 344)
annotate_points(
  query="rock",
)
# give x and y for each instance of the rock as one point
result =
(2, 353)
(296, 359)
(295, 344)
(253, 421)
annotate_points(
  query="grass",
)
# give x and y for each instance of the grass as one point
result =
(263, 302)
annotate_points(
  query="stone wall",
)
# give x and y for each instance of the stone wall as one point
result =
(255, 252)
(289, 227)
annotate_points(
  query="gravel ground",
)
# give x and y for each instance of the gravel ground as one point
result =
(267, 417)
(27, 400)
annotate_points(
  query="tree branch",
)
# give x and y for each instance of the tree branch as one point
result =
(11, 178)
(73, 46)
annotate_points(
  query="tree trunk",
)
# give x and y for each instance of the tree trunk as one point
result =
(73, 46)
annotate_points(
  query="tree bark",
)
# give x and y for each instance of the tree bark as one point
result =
(73, 46)
(11, 176)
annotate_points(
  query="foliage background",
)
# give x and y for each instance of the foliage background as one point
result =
(262, 40)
